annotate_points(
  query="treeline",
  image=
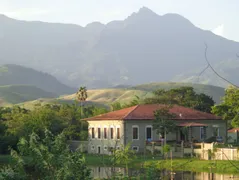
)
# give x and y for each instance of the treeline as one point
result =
(228, 109)
(183, 96)
(17, 122)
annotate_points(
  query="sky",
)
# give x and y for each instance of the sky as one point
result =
(219, 16)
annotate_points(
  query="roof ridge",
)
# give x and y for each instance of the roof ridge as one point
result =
(135, 107)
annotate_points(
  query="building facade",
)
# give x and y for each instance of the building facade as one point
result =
(135, 125)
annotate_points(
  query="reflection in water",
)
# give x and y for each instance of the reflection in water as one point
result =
(107, 172)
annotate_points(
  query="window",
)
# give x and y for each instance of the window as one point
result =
(92, 147)
(216, 131)
(118, 133)
(118, 148)
(135, 133)
(135, 148)
(105, 133)
(105, 148)
(112, 133)
(93, 133)
(148, 132)
(99, 133)
(201, 132)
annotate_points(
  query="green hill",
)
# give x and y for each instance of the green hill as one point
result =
(110, 95)
(124, 95)
(145, 90)
(13, 94)
(14, 74)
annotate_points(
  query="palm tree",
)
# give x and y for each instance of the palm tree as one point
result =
(81, 95)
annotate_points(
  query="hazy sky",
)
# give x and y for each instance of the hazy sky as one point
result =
(219, 16)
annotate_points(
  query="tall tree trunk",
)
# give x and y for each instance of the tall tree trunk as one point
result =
(81, 109)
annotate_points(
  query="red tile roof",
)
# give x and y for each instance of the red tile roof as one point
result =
(146, 112)
(233, 130)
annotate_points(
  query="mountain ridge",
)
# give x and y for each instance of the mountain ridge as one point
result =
(98, 56)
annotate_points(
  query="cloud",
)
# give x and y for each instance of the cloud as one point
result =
(112, 13)
(219, 30)
(24, 12)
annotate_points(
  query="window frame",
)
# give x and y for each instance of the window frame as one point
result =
(149, 126)
(135, 126)
(111, 132)
(99, 132)
(105, 131)
(201, 133)
(92, 132)
(118, 128)
(137, 147)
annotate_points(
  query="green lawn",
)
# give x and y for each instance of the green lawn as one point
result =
(185, 164)
(94, 160)
(190, 164)
(196, 165)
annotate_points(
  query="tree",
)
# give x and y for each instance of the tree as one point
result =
(116, 106)
(125, 155)
(48, 158)
(163, 123)
(183, 96)
(81, 96)
(229, 107)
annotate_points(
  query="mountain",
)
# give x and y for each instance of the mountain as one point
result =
(145, 47)
(19, 75)
(14, 94)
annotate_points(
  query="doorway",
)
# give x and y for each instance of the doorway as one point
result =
(98, 149)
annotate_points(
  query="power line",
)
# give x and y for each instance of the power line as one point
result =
(215, 72)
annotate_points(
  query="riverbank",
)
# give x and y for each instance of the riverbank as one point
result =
(185, 164)
(181, 164)
(196, 165)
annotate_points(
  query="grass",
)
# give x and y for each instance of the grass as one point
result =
(196, 165)
(183, 164)
(179, 164)
(108, 96)
(125, 95)
(99, 160)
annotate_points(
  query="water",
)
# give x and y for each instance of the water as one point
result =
(107, 172)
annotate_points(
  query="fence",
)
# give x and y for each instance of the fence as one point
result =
(209, 151)
(204, 151)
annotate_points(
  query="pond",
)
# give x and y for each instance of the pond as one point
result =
(107, 172)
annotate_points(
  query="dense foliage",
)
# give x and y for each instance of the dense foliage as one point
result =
(45, 158)
(163, 123)
(19, 122)
(229, 107)
(183, 96)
